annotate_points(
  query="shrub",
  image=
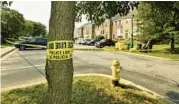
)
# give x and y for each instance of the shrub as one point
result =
(99, 37)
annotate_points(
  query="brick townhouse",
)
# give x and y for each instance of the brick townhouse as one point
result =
(117, 27)
(86, 31)
(104, 29)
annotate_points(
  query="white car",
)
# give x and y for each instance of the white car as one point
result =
(85, 41)
(80, 40)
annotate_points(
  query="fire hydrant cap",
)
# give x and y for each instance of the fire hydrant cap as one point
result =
(115, 62)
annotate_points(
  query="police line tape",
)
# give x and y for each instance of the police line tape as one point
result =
(87, 49)
(31, 45)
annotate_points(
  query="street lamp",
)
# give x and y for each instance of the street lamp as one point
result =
(132, 40)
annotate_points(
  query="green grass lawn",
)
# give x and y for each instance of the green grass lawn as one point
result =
(163, 51)
(4, 45)
(86, 90)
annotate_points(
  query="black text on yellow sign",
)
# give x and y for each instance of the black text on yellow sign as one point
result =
(59, 50)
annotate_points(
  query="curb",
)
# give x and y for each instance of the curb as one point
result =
(89, 49)
(2, 55)
(123, 81)
(147, 56)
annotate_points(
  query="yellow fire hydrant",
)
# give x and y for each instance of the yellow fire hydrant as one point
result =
(116, 69)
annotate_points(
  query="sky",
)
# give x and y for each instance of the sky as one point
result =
(38, 11)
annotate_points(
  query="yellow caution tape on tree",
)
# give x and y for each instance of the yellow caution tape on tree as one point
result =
(59, 50)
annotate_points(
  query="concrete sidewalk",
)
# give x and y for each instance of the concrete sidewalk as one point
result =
(5, 51)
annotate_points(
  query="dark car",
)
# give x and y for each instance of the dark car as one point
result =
(104, 42)
(92, 42)
(34, 43)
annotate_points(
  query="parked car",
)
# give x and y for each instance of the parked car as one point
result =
(80, 40)
(104, 42)
(92, 42)
(36, 41)
(85, 41)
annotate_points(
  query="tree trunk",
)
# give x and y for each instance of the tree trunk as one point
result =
(93, 32)
(82, 35)
(172, 45)
(110, 29)
(59, 73)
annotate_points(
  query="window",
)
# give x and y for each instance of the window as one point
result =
(126, 21)
(116, 23)
(126, 31)
(126, 35)
(134, 29)
(119, 22)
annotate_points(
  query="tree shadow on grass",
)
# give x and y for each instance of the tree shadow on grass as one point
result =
(84, 92)
(176, 51)
(88, 93)
(174, 96)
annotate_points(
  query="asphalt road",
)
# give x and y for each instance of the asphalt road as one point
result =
(159, 76)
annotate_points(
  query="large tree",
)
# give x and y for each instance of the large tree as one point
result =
(12, 23)
(28, 29)
(161, 26)
(39, 29)
(97, 11)
(33, 28)
(59, 73)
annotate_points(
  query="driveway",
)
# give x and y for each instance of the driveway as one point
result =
(159, 76)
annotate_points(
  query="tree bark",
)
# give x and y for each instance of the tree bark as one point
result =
(110, 29)
(172, 45)
(93, 32)
(59, 73)
(82, 35)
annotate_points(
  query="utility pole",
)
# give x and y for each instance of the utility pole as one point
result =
(132, 40)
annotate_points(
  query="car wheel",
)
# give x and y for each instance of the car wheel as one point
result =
(22, 47)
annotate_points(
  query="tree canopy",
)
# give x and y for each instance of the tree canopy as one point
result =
(5, 4)
(158, 21)
(97, 11)
(14, 25)
(12, 22)
(33, 28)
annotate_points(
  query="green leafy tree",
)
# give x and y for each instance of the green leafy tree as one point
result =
(12, 23)
(59, 73)
(5, 4)
(97, 11)
(99, 37)
(39, 29)
(28, 29)
(33, 28)
(161, 26)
